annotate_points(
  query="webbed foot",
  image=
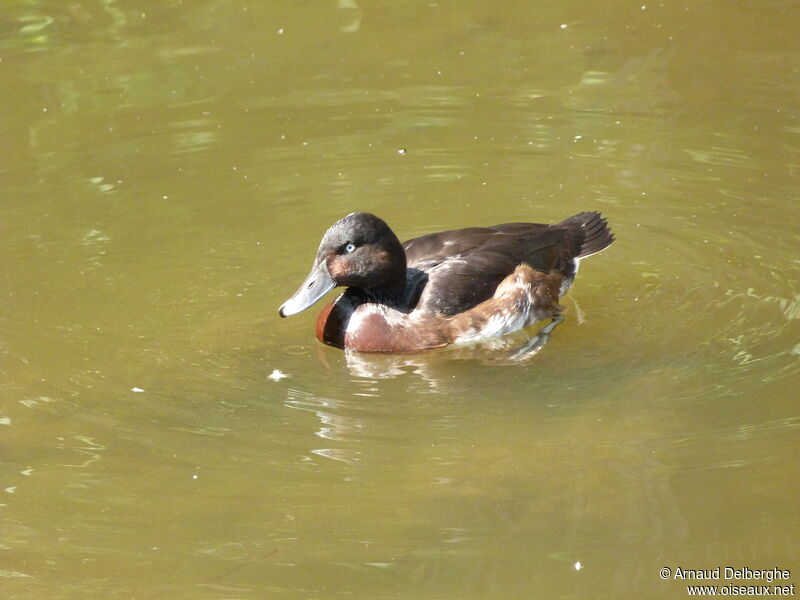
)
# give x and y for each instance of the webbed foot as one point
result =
(537, 342)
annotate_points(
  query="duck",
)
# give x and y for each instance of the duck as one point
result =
(449, 287)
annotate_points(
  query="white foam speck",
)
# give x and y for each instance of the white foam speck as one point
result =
(277, 375)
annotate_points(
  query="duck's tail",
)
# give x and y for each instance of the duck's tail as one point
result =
(593, 228)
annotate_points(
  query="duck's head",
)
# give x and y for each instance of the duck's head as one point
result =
(358, 251)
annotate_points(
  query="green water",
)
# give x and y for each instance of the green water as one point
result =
(166, 172)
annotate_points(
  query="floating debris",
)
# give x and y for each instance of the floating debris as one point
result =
(277, 375)
(137, 389)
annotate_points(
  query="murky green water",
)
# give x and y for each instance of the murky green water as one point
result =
(166, 172)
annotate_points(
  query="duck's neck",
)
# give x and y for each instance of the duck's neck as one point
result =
(392, 280)
(391, 292)
(391, 289)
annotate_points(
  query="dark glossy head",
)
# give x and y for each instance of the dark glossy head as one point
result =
(357, 251)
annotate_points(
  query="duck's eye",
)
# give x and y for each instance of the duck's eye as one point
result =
(349, 247)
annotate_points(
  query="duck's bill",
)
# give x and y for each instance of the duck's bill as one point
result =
(317, 284)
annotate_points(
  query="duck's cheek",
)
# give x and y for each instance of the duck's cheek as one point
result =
(340, 269)
(350, 272)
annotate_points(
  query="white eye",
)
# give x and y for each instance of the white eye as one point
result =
(349, 248)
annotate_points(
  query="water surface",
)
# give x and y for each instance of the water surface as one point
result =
(167, 170)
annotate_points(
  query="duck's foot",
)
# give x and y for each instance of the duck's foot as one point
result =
(537, 342)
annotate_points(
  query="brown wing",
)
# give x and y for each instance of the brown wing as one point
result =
(465, 266)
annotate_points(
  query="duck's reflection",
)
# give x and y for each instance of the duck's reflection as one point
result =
(445, 372)
(333, 426)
